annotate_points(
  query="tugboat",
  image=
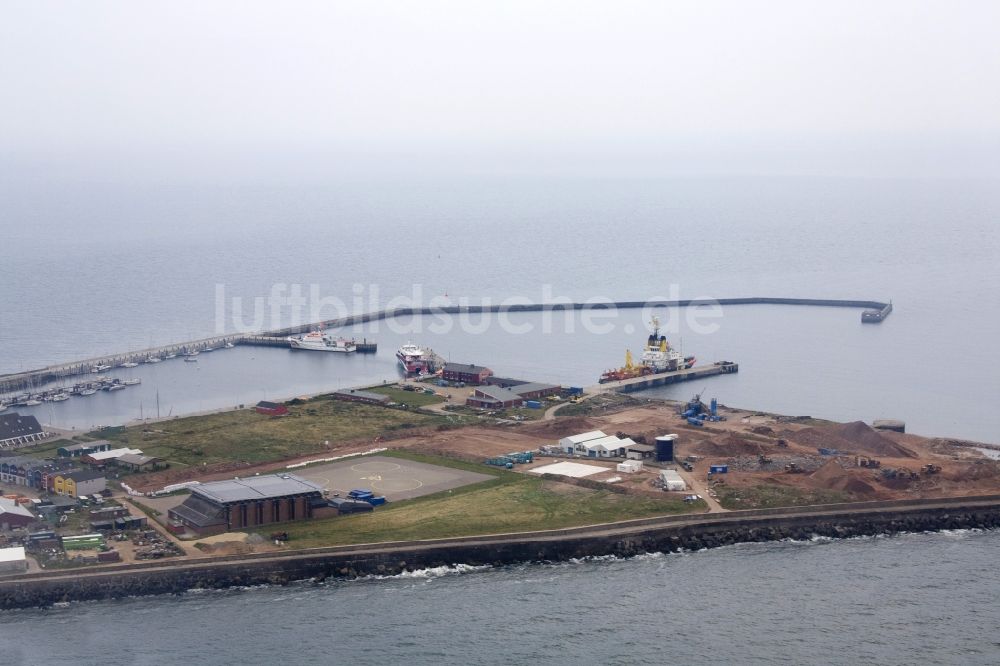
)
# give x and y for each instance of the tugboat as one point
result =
(659, 356)
(319, 341)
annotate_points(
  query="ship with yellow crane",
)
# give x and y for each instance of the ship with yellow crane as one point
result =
(657, 356)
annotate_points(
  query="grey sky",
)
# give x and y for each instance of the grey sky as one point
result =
(786, 86)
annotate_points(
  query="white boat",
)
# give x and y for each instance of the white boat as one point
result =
(229, 345)
(190, 359)
(59, 397)
(32, 402)
(413, 359)
(170, 356)
(208, 349)
(319, 341)
(190, 353)
(89, 391)
(100, 367)
(132, 382)
(116, 387)
(130, 364)
(153, 359)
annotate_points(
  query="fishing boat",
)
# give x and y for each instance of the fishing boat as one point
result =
(129, 364)
(88, 391)
(59, 397)
(132, 382)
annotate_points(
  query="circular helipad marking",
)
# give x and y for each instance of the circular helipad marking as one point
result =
(396, 485)
(321, 480)
(372, 467)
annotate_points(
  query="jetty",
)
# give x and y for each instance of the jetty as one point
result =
(22, 381)
(665, 378)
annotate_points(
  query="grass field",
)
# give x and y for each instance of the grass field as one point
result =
(510, 503)
(409, 398)
(247, 436)
(769, 496)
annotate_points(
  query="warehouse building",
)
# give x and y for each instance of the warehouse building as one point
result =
(83, 449)
(504, 382)
(14, 515)
(569, 444)
(135, 462)
(494, 397)
(13, 560)
(109, 456)
(224, 506)
(17, 430)
(465, 374)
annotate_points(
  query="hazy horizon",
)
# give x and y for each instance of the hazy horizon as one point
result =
(187, 91)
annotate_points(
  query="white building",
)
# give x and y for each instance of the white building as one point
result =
(630, 466)
(569, 444)
(672, 480)
(106, 456)
(605, 447)
(12, 560)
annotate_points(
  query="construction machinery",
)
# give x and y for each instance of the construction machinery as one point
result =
(868, 463)
(930, 469)
(628, 371)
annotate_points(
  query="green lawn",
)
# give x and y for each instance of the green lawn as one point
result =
(512, 502)
(769, 496)
(248, 436)
(410, 398)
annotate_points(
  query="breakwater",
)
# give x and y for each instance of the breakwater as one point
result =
(624, 539)
(23, 381)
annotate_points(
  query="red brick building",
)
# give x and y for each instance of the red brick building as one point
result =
(467, 374)
(224, 506)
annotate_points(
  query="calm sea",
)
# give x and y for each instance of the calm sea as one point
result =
(918, 598)
(94, 269)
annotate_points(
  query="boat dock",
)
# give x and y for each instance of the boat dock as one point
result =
(665, 378)
(23, 381)
(363, 347)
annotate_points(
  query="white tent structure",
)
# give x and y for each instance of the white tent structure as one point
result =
(569, 444)
(630, 466)
(672, 480)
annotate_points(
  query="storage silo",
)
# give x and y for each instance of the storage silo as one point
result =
(665, 448)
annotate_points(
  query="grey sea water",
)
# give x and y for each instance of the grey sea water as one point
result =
(916, 598)
(92, 269)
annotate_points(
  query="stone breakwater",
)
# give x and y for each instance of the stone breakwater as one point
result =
(622, 540)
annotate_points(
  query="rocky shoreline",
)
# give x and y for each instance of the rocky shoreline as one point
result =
(622, 540)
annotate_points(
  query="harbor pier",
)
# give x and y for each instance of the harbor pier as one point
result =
(23, 381)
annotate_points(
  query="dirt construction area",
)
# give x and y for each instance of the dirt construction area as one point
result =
(395, 478)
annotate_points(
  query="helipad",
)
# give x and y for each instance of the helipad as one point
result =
(569, 469)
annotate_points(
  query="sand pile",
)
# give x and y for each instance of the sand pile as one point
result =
(869, 440)
(856, 437)
(834, 477)
(728, 445)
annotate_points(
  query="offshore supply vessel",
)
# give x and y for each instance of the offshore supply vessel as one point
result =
(657, 356)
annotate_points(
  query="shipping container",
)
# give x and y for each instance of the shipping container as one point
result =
(718, 469)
